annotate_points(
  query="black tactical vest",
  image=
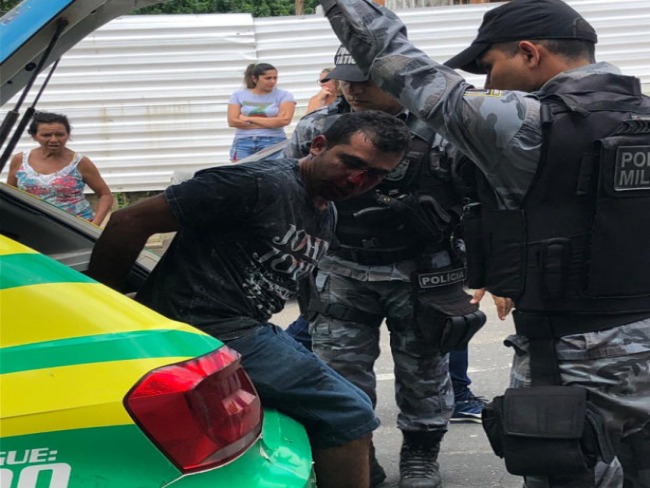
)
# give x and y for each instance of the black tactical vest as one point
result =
(580, 244)
(381, 226)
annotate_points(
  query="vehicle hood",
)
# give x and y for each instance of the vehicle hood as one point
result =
(26, 32)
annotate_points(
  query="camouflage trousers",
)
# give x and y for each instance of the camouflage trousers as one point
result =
(422, 385)
(614, 365)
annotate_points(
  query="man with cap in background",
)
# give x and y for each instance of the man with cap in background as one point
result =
(385, 238)
(563, 230)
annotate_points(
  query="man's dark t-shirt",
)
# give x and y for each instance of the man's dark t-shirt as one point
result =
(249, 232)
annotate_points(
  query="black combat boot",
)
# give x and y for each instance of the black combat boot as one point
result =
(418, 466)
(377, 473)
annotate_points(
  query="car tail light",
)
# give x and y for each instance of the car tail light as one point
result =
(200, 413)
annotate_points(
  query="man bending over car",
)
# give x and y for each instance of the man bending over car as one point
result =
(245, 235)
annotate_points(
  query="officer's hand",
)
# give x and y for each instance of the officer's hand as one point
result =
(477, 296)
(504, 306)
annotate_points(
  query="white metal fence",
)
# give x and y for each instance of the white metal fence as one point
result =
(147, 95)
(404, 4)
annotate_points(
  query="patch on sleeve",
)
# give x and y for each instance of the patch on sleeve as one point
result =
(476, 92)
(632, 171)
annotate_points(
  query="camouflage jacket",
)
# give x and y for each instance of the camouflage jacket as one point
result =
(499, 130)
(311, 125)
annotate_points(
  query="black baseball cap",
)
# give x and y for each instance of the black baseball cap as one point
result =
(346, 68)
(523, 19)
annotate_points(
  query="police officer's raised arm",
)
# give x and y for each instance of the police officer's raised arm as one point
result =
(487, 126)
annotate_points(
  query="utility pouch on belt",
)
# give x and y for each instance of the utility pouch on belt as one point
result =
(443, 314)
(546, 431)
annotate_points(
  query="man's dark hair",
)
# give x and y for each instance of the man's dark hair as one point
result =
(387, 133)
(48, 118)
(572, 49)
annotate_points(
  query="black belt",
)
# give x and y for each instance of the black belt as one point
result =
(342, 312)
(379, 257)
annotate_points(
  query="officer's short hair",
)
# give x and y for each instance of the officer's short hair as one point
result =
(569, 48)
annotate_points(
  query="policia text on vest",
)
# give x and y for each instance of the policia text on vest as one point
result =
(632, 168)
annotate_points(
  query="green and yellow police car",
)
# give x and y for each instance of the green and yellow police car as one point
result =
(96, 390)
(99, 391)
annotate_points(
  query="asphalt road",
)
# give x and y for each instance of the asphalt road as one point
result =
(466, 459)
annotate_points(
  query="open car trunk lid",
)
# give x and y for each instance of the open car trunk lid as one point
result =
(27, 30)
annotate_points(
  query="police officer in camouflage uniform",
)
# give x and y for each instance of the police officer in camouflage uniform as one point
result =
(563, 229)
(383, 237)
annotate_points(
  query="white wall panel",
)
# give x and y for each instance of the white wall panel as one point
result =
(148, 94)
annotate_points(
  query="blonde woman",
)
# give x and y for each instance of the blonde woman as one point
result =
(329, 91)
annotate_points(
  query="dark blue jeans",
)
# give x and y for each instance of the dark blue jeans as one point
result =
(296, 382)
(458, 364)
(299, 330)
(247, 146)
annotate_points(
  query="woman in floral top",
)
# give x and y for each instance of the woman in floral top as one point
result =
(56, 174)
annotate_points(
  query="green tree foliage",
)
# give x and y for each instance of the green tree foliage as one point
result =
(259, 8)
(7, 5)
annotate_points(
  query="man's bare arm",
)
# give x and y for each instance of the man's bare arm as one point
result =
(125, 236)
